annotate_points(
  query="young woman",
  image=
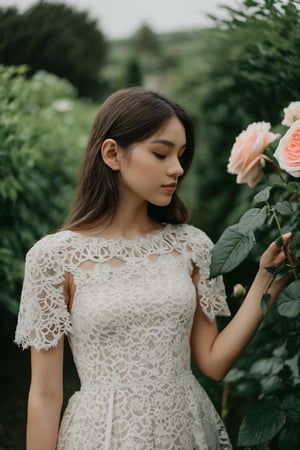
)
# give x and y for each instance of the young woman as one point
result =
(127, 280)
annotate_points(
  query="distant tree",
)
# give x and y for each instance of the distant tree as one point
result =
(56, 38)
(10, 39)
(146, 40)
(133, 75)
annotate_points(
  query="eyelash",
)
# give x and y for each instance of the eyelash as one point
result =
(159, 155)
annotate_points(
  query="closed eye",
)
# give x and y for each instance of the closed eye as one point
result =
(159, 155)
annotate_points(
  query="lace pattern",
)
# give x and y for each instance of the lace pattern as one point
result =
(43, 315)
(129, 331)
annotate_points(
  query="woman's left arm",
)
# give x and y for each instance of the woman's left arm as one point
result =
(215, 352)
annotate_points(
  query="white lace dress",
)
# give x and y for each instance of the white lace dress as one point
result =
(129, 332)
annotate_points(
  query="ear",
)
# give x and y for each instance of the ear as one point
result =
(110, 154)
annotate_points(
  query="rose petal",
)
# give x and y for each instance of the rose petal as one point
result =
(291, 114)
(288, 150)
(246, 153)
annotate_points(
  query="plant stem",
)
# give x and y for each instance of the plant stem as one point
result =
(285, 249)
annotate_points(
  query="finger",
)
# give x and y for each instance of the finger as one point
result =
(278, 248)
(279, 241)
(283, 239)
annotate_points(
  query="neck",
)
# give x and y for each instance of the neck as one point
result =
(131, 221)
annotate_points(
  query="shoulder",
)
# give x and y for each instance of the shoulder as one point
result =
(191, 235)
(55, 244)
(192, 242)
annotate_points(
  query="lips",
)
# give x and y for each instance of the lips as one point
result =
(170, 187)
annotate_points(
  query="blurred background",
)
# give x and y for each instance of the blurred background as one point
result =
(228, 65)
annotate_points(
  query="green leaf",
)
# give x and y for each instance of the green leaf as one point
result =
(263, 422)
(250, 3)
(263, 195)
(289, 438)
(271, 269)
(263, 446)
(292, 346)
(293, 187)
(282, 272)
(288, 303)
(291, 406)
(279, 272)
(266, 367)
(252, 219)
(234, 375)
(265, 302)
(230, 250)
(284, 208)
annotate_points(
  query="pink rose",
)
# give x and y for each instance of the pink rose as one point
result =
(247, 153)
(291, 114)
(288, 150)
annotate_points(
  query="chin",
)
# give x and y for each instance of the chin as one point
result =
(161, 203)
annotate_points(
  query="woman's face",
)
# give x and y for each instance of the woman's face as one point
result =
(149, 171)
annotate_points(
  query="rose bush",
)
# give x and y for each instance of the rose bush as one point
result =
(280, 196)
(256, 161)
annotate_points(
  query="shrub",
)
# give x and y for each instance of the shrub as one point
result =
(43, 129)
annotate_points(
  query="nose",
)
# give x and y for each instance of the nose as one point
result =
(176, 169)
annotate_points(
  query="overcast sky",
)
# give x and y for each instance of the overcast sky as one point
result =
(121, 18)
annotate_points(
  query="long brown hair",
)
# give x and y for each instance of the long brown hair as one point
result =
(128, 116)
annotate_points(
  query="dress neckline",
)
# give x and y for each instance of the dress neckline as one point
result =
(122, 240)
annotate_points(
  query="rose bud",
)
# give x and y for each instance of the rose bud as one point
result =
(238, 291)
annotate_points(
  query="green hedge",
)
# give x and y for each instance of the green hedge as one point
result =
(43, 130)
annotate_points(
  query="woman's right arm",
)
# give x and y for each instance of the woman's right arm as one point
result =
(45, 397)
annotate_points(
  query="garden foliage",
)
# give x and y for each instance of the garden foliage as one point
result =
(43, 129)
(276, 211)
(259, 78)
(248, 69)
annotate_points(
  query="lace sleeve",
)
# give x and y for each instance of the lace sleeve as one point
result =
(43, 315)
(211, 292)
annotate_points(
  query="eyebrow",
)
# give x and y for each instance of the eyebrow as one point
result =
(166, 142)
